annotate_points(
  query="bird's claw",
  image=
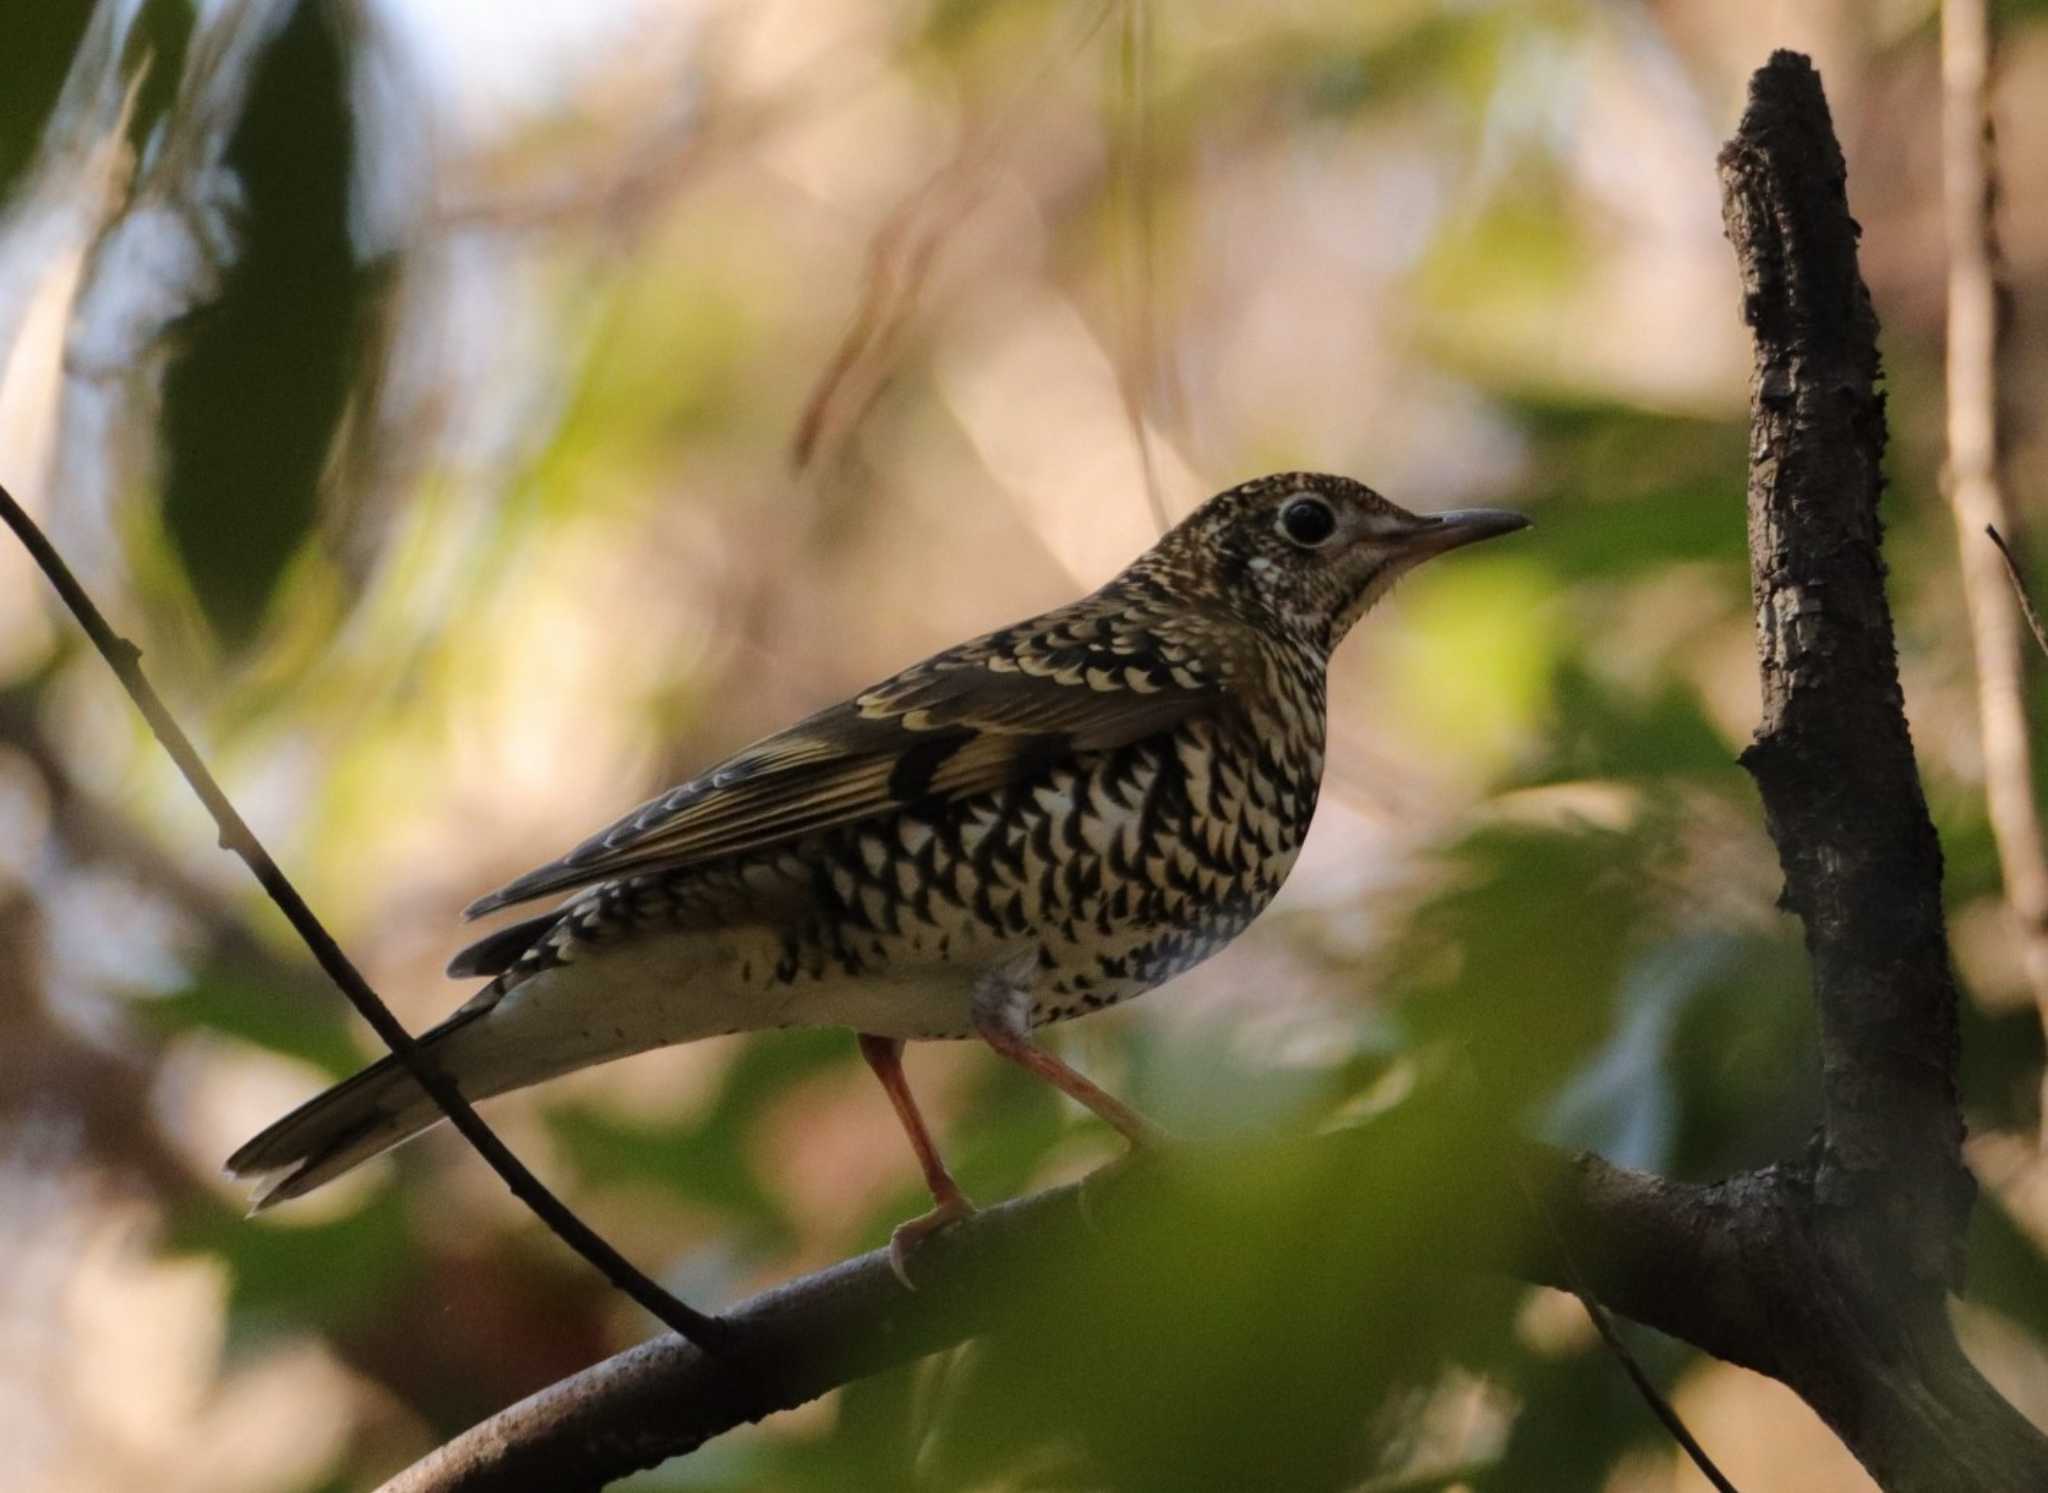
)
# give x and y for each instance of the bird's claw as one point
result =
(913, 1232)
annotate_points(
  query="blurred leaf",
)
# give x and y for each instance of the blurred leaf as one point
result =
(1515, 257)
(1744, 1058)
(1476, 657)
(666, 365)
(330, 1274)
(1601, 733)
(256, 392)
(1248, 1335)
(1521, 960)
(1628, 492)
(2008, 1267)
(1580, 1413)
(705, 1161)
(2000, 1075)
(42, 39)
(949, 22)
(1455, 51)
(1621, 1103)
(317, 1031)
(157, 44)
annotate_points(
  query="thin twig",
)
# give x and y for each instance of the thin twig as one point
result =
(2019, 589)
(125, 659)
(1603, 1323)
(1970, 193)
(901, 256)
(1137, 263)
(1665, 1411)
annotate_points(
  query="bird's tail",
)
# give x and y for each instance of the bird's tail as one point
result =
(367, 1114)
(518, 1030)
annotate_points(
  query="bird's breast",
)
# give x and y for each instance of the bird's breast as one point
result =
(1120, 868)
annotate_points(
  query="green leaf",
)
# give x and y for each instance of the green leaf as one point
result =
(254, 398)
(283, 1021)
(705, 1160)
(329, 1274)
(1520, 962)
(157, 44)
(42, 40)
(1600, 732)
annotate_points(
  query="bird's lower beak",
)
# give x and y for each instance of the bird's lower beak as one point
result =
(1437, 532)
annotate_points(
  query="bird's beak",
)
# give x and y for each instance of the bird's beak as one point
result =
(1436, 532)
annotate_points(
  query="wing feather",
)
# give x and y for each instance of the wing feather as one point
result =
(967, 722)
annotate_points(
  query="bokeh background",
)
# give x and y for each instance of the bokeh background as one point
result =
(484, 415)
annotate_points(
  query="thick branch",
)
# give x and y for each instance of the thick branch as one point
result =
(1668, 1254)
(125, 659)
(1832, 756)
(1858, 1279)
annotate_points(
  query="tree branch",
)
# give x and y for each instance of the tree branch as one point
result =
(1832, 756)
(2019, 589)
(125, 659)
(1857, 1282)
(1644, 1244)
(1969, 187)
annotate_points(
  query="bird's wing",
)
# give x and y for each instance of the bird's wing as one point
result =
(967, 721)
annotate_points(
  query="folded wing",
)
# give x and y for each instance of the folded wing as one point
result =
(968, 721)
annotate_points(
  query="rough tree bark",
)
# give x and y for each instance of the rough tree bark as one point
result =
(1830, 1272)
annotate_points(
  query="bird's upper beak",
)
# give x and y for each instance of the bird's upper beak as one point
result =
(1436, 532)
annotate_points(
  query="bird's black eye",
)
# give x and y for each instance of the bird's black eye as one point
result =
(1308, 521)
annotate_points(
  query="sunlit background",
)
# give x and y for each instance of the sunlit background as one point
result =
(484, 414)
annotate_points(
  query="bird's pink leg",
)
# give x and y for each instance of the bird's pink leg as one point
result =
(1002, 1030)
(885, 1056)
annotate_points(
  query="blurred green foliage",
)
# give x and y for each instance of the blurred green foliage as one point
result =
(256, 391)
(42, 42)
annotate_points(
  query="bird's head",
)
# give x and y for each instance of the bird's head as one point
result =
(1310, 553)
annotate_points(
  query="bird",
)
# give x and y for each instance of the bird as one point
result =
(1039, 823)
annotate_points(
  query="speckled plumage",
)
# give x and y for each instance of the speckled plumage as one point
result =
(1033, 825)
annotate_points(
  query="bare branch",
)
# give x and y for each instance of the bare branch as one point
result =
(1832, 756)
(1970, 197)
(1859, 1276)
(1634, 1236)
(1138, 257)
(126, 661)
(901, 256)
(2019, 590)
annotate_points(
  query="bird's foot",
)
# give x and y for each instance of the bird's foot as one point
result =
(913, 1232)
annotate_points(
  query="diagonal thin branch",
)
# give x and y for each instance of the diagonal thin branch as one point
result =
(2019, 590)
(902, 254)
(1137, 260)
(1603, 1323)
(125, 659)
